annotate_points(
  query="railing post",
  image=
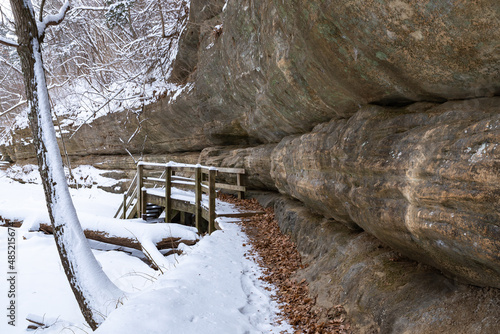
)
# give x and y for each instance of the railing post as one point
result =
(144, 204)
(211, 200)
(139, 189)
(168, 194)
(124, 206)
(239, 183)
(197, 197)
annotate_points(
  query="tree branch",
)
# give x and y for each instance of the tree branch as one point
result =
(97, 9)
(41, 11)
(8, 42)
(52, 20)
(10, 65)
(95, 112)
(12, 108)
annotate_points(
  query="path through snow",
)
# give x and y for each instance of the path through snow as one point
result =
(212, 288)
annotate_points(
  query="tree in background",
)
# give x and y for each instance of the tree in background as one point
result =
(106, 56)
(11, 77)
(95, 293)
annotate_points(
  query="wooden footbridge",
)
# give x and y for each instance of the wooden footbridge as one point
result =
(4, 164)
(178, 189)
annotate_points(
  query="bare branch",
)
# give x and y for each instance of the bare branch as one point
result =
(8, 42)
(10, 65)
(162, 20)
(97, 9)
(52, 20)
(95, 112)
(12, 108)
(41, 10)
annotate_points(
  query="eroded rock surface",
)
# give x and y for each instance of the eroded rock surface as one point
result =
(423, 179)
(265, 69)
(380, 115)
(255, 160)
(382, 291)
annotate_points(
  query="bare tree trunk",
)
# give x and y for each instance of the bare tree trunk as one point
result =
(95, 293)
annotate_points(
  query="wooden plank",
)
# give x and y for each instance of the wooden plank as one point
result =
(131, 189)
(131, 198)
(211, 200)
(226, 186)
(124, 206)
(139, 188)
(154, 179)
(168, 194)
(175, 166)
(158, 200)
(239, 183)
(188, 184)
(240, 214)
(204, 214)
(231, 170)
(197, 196)
(183, 206)
(230, 187)
(144, 203)
(152, 164)
(182, 178)
(133, 212)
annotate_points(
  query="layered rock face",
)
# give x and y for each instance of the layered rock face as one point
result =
(283, 66)
(423, 179)
(381, 116)
(382, 291)
(264, 69)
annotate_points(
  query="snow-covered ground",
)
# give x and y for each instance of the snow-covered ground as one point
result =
(212, 288)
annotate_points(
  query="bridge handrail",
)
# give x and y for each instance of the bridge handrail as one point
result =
(191, 168)
(130, 193)
(168, 179)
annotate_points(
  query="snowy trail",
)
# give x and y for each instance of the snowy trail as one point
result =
(212, 288)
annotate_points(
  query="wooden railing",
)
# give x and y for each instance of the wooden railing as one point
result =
(4, 164)
(199, 179)
(128, 209)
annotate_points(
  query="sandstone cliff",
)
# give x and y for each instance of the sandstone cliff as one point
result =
(382, 116)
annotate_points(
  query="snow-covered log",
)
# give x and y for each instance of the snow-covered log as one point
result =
(127, 239)
(148, 238)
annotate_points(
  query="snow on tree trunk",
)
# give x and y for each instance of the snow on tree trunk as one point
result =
(95, 293)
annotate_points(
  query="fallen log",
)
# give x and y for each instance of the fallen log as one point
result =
(103, 236)
(148, 238)
(5, 222)
(36, 322)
